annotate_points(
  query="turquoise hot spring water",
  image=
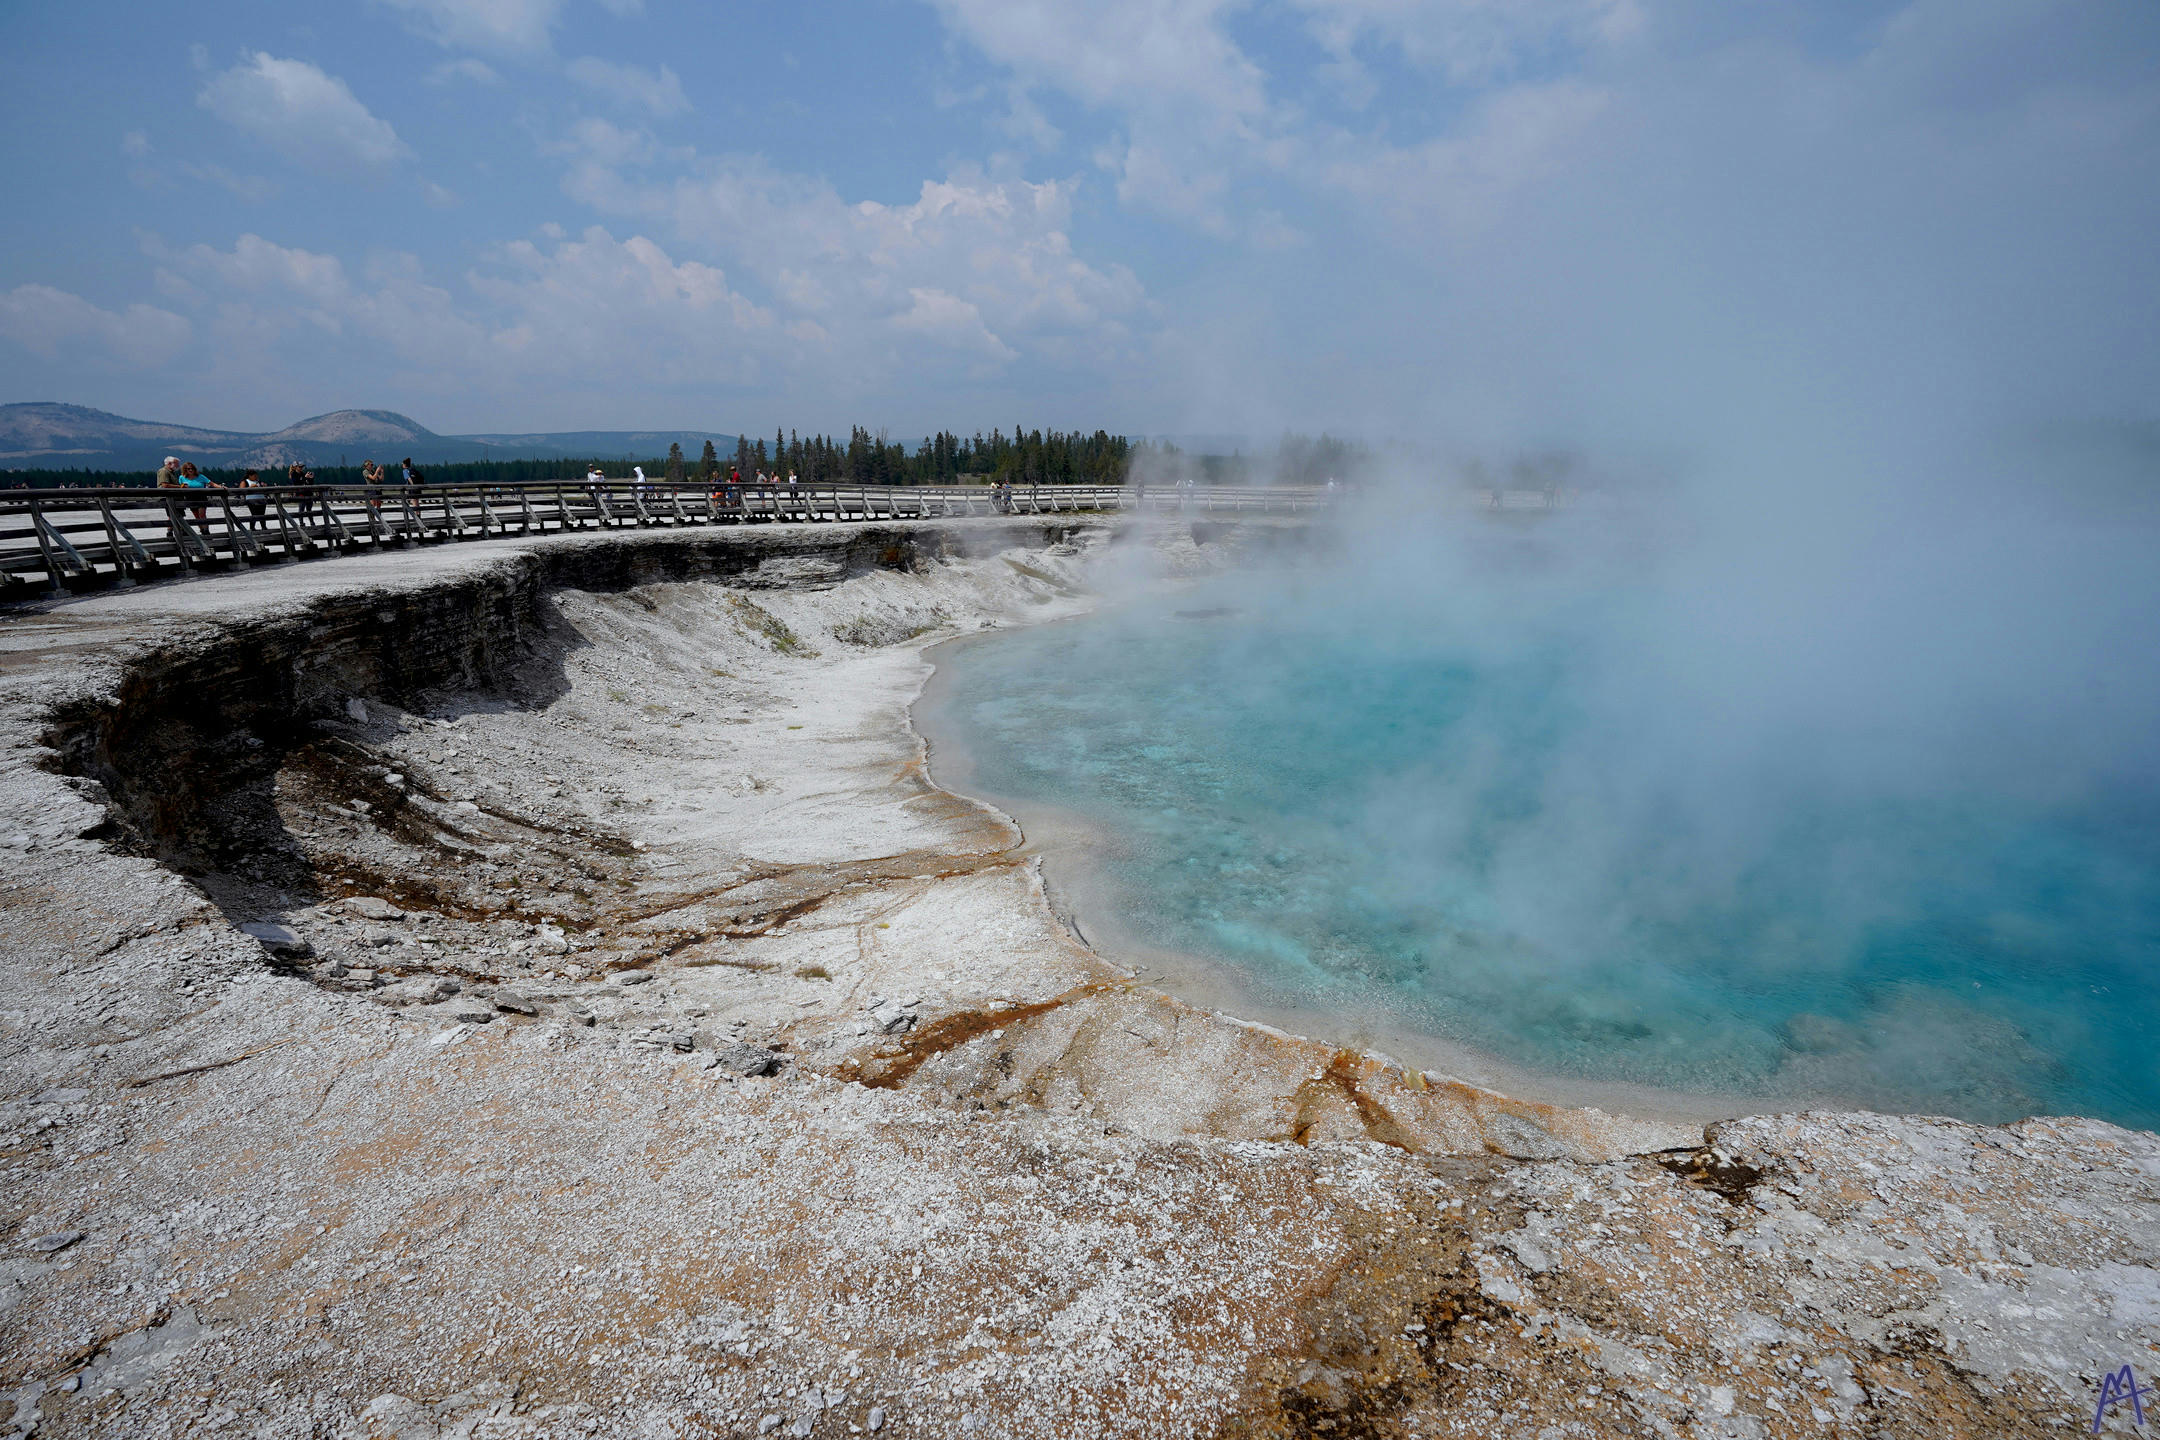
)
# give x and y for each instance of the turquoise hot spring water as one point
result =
(1537, 820)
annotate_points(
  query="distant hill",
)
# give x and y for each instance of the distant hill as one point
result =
(73, 437)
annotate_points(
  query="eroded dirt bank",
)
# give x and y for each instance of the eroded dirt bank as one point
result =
(626, 1038)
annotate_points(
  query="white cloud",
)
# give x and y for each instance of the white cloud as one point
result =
(659, 92)
(1130, 55)
(256, 266)
(467, 71)
(1193, 111)
(1470, 40)
(972, 265)
(252, 188)
(50, 323)
(154, 174)
(1168, 71)
(952, 322)
(1459, 185)
(1171, 181)
(622, 312)
(304, 114)
(503, 27)
(627, 307)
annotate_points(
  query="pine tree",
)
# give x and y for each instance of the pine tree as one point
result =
(674, 463)
(708, 463)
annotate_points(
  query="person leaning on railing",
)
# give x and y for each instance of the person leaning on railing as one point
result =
(193, 479)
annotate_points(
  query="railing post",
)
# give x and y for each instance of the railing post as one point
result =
(45, 549)
(242, 543)
(114, 530)
(286, 530)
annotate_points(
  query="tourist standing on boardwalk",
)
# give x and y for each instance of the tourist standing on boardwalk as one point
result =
(255, 503)
(192, 479)
(296, 479)
(168, 475)
(412, 476)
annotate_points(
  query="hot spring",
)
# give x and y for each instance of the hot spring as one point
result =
(1614, 809)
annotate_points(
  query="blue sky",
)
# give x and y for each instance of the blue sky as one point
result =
(1506, 221)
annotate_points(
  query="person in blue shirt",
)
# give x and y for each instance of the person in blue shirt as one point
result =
(192, 479)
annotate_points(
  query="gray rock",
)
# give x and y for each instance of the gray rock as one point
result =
(361, 976)
(677, 1040)
(516, 1005)
(356, 711)
(378, 938)
(332, 970)
(745, 1059)
(476, 1017)
(1524, 1139)
(56, 1240)
(801, 1427)
(876, 1421)
(769, 1424)
(635, 977)
(369, 907)
(279, 940)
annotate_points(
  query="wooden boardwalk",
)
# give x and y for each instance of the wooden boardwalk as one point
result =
(52, 541)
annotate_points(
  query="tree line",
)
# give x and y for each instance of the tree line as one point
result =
(1026, 457)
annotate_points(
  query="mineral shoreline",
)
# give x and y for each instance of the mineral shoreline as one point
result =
(533, 987)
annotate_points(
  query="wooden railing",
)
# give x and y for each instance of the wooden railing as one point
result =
(62, 540)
